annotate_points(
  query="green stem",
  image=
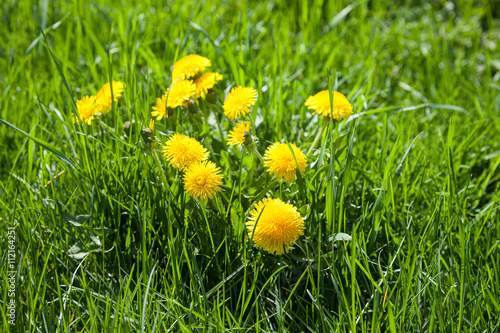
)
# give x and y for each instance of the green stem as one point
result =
(316, 139)
(259, 155)
(106, 126)
(239, 175)
(162, 173)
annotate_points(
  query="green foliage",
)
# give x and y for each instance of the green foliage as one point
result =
(401, 201)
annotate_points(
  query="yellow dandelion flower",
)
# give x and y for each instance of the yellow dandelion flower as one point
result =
(237, 135)
(179, 94)
(86, 109)
(151, 125)
(160, 110)
(181, 151)
(206, 82)
(320, 103)
(103, 97)
(202, 180)
(281, 162)
(239, 101)
(190, 66)
(278, 226)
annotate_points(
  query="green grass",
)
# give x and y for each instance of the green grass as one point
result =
(413, 177)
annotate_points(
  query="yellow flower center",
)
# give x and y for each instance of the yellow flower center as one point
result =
(201, 181)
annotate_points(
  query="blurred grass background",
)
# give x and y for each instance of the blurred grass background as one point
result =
(412, 176)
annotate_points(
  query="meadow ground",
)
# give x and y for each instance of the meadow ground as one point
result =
(400, 201)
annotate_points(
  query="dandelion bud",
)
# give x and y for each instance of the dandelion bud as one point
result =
(129, 128)
(247, 138)
(192, 106)
(211, 97)
(249, 142)
(149, 139)
(148, 135)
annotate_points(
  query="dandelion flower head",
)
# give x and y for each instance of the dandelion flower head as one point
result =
(151, 125)
(320, 103)
(237, 135)
(104, 102)
(203, 180)
(181, 151)
(278, 226)
(281, 162)
(239, 101)
(190, 66)
(178, 94)
(160, 109)
(206, 82)
(86, 109)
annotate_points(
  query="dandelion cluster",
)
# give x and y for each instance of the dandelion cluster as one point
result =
(90, 106)
(273, 224)
(202, 179)
(188, 82)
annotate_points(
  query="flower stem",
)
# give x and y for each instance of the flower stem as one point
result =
(317, 138)
(259, 155)
(239, 175)
(162, 173)
(106, 126)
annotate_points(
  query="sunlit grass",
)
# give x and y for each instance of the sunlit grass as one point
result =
(400, 201)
